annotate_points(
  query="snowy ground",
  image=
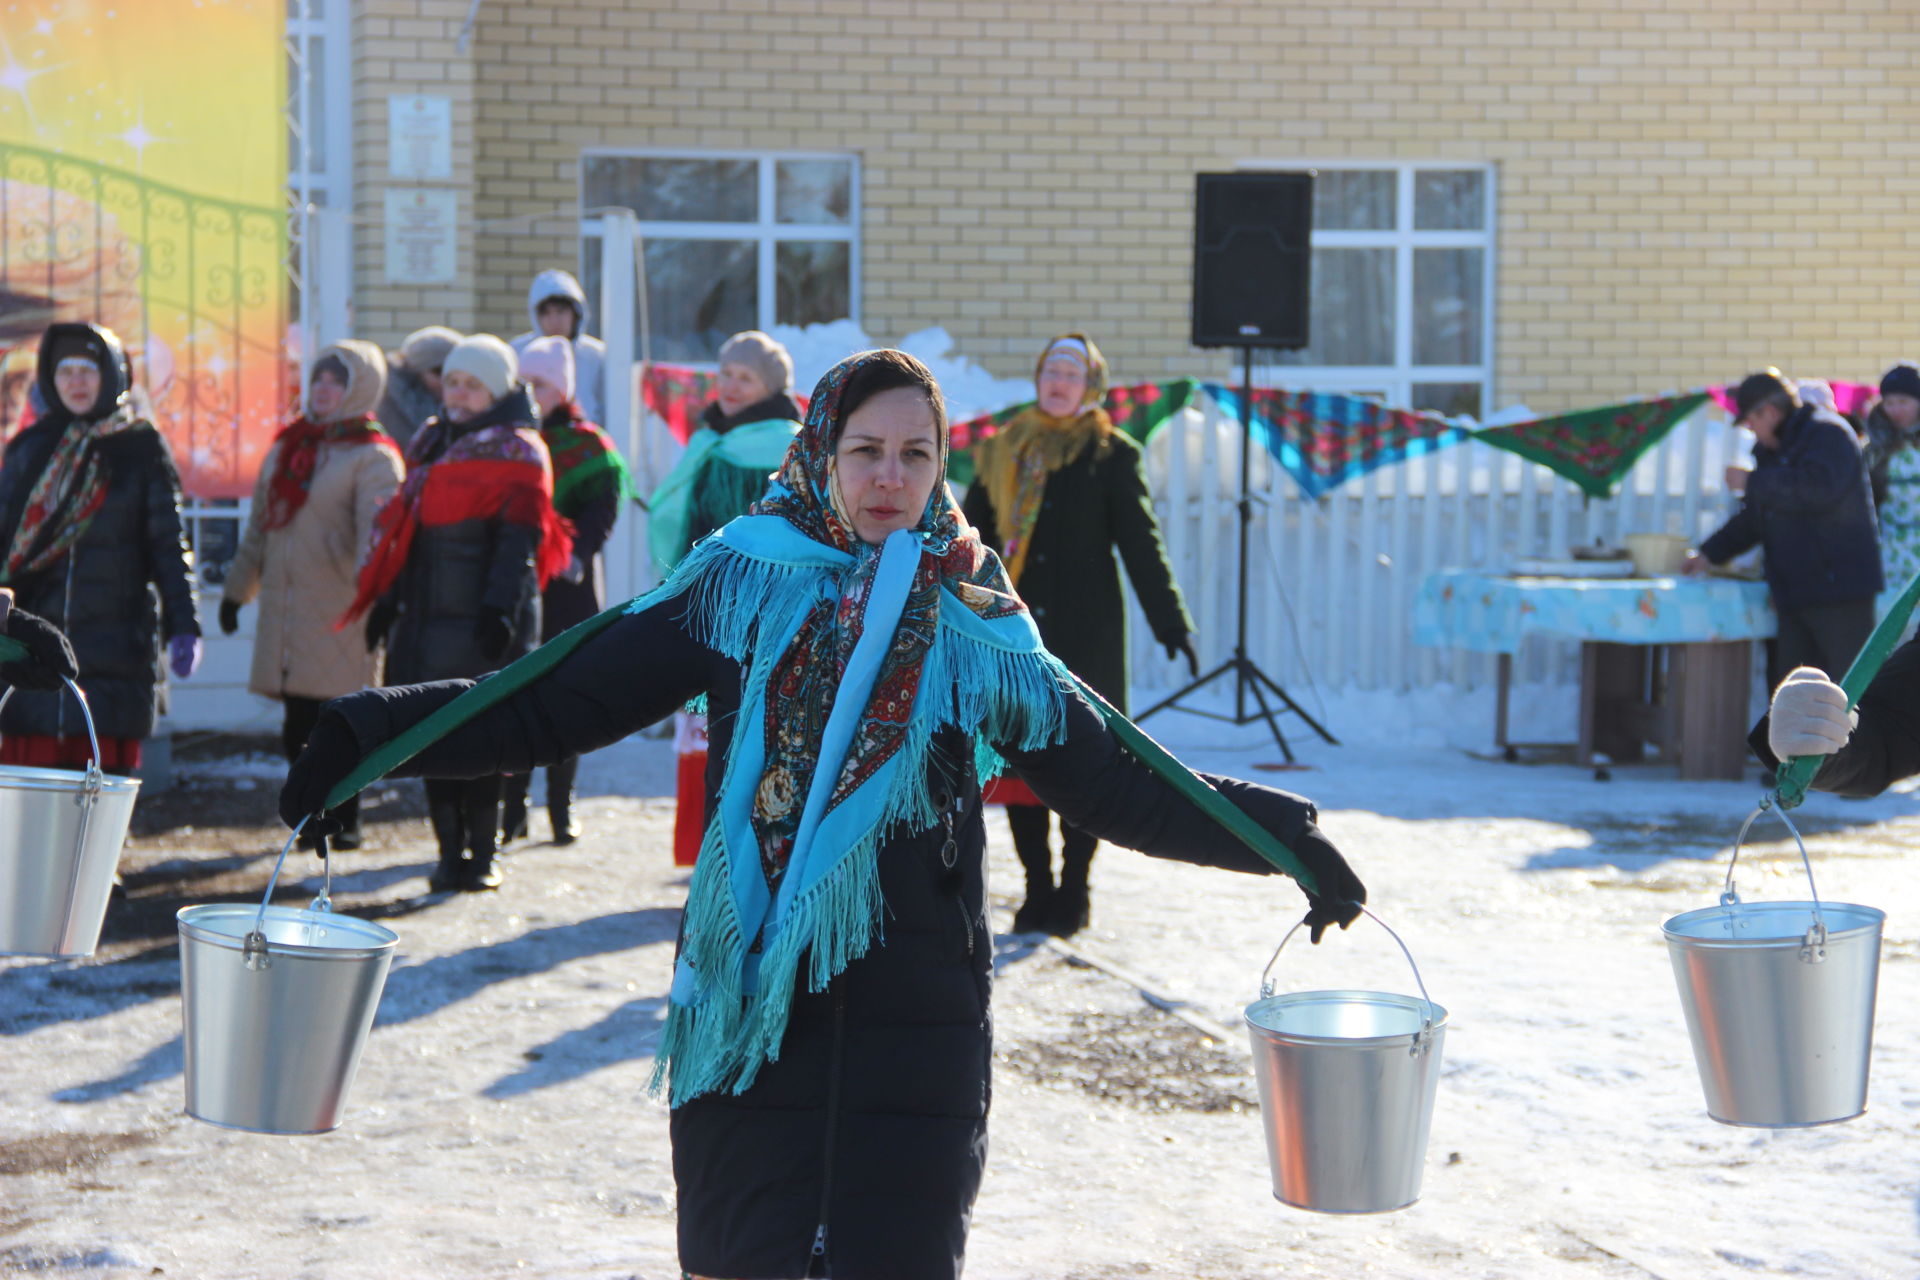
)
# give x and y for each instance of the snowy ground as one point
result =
(498, 1126)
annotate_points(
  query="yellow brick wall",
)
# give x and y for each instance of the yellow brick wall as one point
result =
(1687, 188)
(399, 47)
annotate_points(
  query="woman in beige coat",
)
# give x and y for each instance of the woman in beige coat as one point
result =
(327, 476)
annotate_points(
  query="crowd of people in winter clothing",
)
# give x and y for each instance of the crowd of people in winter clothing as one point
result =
(876, 659)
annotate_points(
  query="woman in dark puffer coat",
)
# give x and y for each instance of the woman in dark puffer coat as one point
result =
(94, 543)
(452, 582)
(828, 1043)
(1056, 491)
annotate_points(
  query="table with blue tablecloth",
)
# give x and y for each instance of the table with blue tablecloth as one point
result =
(1663, 660)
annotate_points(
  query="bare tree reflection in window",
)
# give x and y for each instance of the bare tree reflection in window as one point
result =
(1447, 305)
(1350, 316)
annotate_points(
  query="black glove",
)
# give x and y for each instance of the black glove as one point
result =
(330, 755)
(49, 656)
(1341, 893)
(493, 632)
(1184, 645)
(229, 617)
(380, 621)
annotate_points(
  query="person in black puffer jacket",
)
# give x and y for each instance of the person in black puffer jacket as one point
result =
(452, 582)
(94, 543)
(828, 1044)
(1809, 505)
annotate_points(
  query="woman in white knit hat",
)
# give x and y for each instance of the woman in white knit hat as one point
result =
(452, 581)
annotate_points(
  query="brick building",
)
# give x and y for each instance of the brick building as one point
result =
(1552, 202)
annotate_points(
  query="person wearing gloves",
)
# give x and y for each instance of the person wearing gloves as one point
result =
(94, 543)
(827, 1046)
(1893, 463)
(48, 662)
(557, 305)
(452, 581)
(743, 436)
(1055, 491)
(590, 479)
(1869, 748)
(328, 474)
(413, 382)
(1808, 505)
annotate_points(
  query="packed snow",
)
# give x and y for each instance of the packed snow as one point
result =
(499, 1126)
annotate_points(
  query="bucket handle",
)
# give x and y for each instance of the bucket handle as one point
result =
(94, 775)
(1813, 947)
(254, 946)
(91, 782)
(1421, 1038)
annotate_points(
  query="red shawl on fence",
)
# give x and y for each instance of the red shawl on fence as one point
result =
(495, 473)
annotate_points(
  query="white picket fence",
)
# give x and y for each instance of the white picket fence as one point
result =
(1332, 582)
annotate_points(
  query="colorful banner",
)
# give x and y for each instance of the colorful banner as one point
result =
(1324, 440)
(140, 192)
(1595, 448)
(1321, 439)
(1139, 410)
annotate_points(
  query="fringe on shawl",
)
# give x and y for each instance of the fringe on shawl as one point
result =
(996, 694)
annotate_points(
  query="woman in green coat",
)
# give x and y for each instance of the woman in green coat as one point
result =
(1056, 491)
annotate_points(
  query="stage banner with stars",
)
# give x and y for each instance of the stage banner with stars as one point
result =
(143, 154)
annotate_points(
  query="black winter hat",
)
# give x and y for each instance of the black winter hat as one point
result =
(1757, 388)
(1901, 380)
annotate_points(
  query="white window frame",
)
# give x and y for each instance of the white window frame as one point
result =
(1397, 380)
(764, 230)
(326, 257)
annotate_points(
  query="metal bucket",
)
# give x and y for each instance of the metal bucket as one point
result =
(60, 838)
(1347, 1082)
(1779, 1002)
(277, 1004)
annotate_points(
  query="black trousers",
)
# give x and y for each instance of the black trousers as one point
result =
(301, 715)
(1826, 636)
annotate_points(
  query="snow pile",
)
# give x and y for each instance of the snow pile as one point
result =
(970, 389)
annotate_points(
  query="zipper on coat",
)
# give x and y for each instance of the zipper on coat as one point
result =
(818, 1266)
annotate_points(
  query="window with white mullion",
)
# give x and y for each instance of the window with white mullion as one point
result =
(732, 240)
(1402, 285)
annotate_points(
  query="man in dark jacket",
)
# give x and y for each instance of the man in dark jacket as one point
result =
(1808, 506)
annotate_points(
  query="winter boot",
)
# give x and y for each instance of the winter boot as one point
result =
(560, 778)
(1071, 905)
(1028, 822)
(482, 802)
(449, 821)
(513, 806)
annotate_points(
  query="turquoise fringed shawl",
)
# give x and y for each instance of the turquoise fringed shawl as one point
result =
(748, 590)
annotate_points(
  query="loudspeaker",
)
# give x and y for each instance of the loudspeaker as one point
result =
(1251, 259)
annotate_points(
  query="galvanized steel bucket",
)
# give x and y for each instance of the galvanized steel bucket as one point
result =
(1779, 1001)
(1347, 1082)
(277, 1004)
(60, 838)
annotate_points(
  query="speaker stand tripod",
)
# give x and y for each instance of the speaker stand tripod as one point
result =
(1248, 678)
